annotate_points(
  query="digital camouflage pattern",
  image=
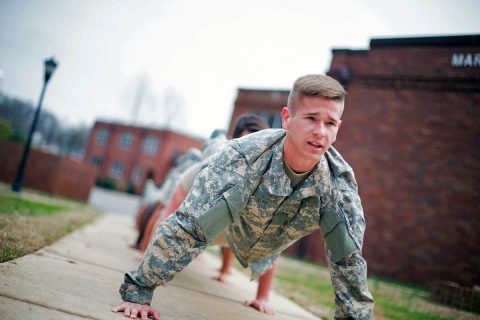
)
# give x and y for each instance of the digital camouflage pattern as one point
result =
(246, 191)
(183, 162)
(210, 148)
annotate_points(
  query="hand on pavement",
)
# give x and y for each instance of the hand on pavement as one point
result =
(222, 277)
(133, 310)
(261, 305)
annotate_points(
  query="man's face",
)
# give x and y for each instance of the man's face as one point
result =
(312, 128)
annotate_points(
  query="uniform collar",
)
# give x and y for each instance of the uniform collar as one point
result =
(253, 146)
(336, 163)
(317, 183)
(275, 179)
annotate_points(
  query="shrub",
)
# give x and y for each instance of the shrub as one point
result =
(130, 188)
(106, 183)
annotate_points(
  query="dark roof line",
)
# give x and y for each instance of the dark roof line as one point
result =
(264, 90)
(355, 51)
(438, 41)
(139, 126)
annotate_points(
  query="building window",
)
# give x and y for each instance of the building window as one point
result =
(102, 137)
(126, 140)
(150, 145)
(117, 169)
(274, 120)
(96, 161)
(136, 175)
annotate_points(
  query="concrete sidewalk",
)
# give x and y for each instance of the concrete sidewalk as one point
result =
(78, 277)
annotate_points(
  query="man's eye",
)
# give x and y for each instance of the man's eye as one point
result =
(310, 118)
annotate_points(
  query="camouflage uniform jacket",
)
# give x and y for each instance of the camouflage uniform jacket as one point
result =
(245, 189)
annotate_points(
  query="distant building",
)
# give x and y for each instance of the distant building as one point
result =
(411, 131)
(265, 103)
(126, 153)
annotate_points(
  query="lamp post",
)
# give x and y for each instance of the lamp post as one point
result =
(50, 65)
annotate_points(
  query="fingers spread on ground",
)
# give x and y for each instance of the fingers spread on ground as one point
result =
(155, 314)
(134, 314)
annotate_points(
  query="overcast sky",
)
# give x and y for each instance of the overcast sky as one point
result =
(198, 52)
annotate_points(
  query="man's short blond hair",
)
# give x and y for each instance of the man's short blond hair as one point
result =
(315, 85)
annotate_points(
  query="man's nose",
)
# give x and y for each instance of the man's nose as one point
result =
(319, 129)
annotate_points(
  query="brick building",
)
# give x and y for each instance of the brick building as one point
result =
(265, 103)
(126, 153)
(411, 131)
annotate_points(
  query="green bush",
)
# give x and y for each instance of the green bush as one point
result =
(106, 183)
(6, 130)
(130, 188)
(18, 138)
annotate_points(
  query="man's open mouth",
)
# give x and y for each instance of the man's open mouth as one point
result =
(315, 145)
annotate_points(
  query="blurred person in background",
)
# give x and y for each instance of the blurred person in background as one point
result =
(158, 198)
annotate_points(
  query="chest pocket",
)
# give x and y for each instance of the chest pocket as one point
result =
(300, 222)
(335, 230)
(261, 207)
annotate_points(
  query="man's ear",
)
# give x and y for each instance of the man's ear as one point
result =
(285, 118)
(338, 128)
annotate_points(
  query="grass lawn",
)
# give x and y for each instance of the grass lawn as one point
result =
(31, 220)
(309, 285)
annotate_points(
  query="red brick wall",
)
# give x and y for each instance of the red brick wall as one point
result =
(418, 169)
(413, 140)
(46, 172)
(266, 102)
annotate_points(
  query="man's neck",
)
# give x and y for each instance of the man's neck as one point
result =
(293, 162)
(295, 178)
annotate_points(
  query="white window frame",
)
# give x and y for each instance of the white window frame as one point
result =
(96, 160)
(126, 140)
(150, 145)
(117, 169)
(101, 137)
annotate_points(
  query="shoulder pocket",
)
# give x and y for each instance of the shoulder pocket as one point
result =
(338, 240)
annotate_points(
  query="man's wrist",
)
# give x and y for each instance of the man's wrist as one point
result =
(132, 292)
(136, 294)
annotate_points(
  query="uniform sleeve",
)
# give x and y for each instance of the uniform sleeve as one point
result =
(349, 271)
(349, 279)
(183, 235)
(259, 267)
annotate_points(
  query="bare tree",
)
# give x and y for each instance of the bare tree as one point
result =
(171, 106)
(149, 107)
(142, 93)
(19, 113)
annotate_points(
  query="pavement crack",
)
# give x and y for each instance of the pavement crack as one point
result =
(43, 305)
(72, 260)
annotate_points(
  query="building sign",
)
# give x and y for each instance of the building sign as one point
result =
(467, 60)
